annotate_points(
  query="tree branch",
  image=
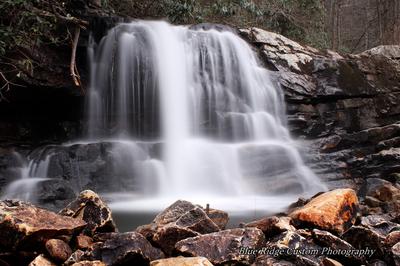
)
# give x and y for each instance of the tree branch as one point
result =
(72, 67)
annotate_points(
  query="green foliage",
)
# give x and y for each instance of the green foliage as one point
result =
(26, 23)
(301, 20)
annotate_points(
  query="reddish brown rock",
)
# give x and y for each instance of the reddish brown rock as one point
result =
(181, 261)
(167, 236)
(58, 250)
(83, 242)
(334, 211)
(272, 225)
(129, 248)
(224, 246)
(22, 224)
(179, 221)
(89, 207)
(392, 238)
(41, 260)
(380, 189)
(219, 217)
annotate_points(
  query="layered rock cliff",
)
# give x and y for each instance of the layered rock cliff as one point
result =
(345, 106)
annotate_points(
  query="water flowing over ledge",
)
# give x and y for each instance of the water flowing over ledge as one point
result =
(204, 95)
(185, 113)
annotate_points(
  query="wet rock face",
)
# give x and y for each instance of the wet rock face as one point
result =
(126, 249)
(339, 103)
(179, 221)
(22, 224)
(224, 246)
(9, 167)
(334, 211)
(90, 207)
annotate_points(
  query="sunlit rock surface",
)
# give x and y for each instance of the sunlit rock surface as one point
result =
(89, 207)
(333, 211)
(22, 224)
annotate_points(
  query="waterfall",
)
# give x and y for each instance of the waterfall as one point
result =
(32, 173)
(205, 99)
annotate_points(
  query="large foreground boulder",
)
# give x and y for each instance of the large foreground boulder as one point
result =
(89, 207)
(228, 246)
(23, 225)
(179, 221)
(334, 211)
(125, 249)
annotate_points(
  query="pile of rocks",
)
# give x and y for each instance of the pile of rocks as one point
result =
(332, 228)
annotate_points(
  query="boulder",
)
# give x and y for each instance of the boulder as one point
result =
(58, 250)
(232, 245)
(167, 236)
(181, 261)
(361, 237)
(334, 211)
(272, 225)
(129, 248)
(392, 238)
(83, 242)
(89, 207)
(219, 217)
(22, 224)
(179, 221)
(380, 224)
(326, 239)
(41, 260)
(396, 254)
(284, 244)
(380, 189)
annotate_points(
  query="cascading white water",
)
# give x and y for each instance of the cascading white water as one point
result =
(31, 174)
(206, 99)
